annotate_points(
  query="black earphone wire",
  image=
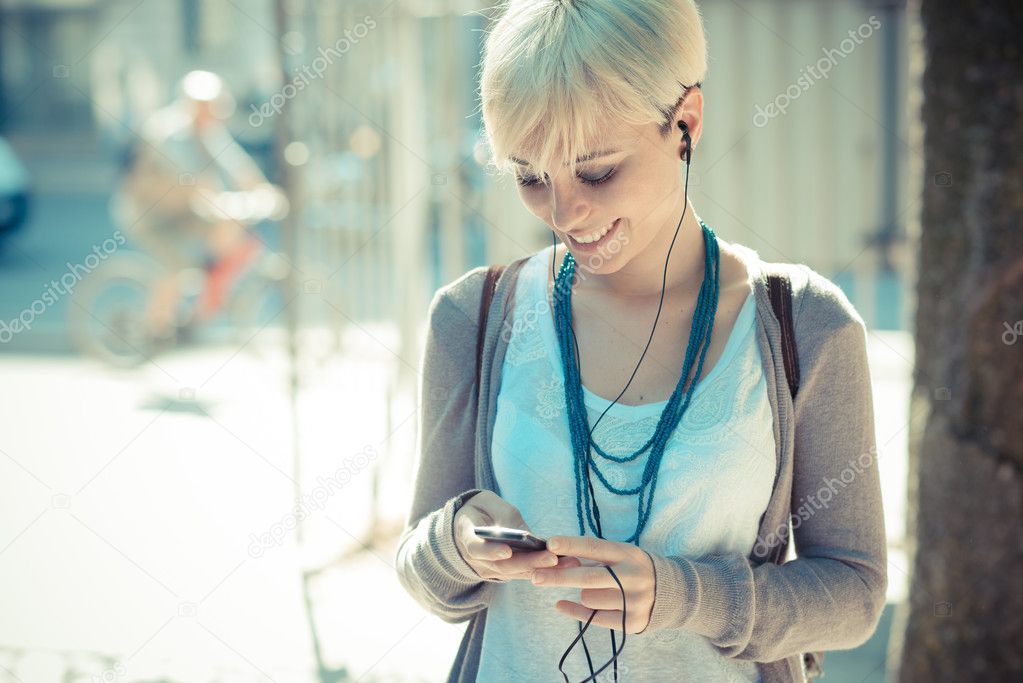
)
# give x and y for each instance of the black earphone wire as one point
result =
(615, 651)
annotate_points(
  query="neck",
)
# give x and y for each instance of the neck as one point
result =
(642, 277)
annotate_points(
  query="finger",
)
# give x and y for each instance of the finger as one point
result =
(482, 549)
(589, 547)
(524, 560)
(489, 571)
(563, 563)
(500, 511)
(472, 515)
(492, 569)
(601, 598)
(611, 619)
(578, 577)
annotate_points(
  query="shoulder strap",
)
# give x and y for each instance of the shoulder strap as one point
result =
(779, 288)
(493, 273)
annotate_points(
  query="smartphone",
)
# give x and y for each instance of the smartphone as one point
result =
(518, 539)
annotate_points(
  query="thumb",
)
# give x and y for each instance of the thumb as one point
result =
(498, 511)
(509, 516)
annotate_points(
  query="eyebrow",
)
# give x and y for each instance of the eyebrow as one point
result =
(580, 159)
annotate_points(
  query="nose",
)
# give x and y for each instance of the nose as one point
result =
(568, 206)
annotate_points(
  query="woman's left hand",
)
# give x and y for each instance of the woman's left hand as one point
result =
(632, 565)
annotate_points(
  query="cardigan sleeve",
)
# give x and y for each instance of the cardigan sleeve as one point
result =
(427, 561)
(831, 596)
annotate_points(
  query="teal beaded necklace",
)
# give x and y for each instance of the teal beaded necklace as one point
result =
(582, 434)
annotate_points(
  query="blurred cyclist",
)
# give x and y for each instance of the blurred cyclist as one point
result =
(179, 199)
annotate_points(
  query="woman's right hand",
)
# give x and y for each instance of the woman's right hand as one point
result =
(493, 559)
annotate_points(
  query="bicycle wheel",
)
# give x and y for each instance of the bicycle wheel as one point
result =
(106, 314)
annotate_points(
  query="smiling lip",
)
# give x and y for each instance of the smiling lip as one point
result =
(592, 246)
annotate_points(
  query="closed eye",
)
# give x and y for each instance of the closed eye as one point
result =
(597, 181)
(529, 181)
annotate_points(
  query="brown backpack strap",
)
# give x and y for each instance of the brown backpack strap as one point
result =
(814, 662)
(779, 288)
(489, 284)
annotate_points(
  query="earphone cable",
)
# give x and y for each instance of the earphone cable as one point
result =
(616, 651)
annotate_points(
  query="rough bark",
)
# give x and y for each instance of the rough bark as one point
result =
(965, 611)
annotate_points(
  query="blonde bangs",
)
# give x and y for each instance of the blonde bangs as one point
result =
(556, 74)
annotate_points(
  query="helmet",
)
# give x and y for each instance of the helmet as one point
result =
(205, 86)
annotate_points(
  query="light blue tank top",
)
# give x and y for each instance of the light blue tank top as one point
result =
(714, 483)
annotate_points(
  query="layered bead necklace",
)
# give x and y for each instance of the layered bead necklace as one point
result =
(582, 434)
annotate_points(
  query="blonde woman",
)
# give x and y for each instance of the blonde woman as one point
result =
(634, 407)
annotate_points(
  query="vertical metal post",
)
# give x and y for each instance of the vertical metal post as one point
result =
(292, 245)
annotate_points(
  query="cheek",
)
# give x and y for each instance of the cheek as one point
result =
(648, 200)
(535, 202)
(624, 198)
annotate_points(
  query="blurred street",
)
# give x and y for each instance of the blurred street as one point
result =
(150, 486)
(154, 490)
(61, 228)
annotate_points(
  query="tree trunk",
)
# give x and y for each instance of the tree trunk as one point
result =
(965, 611)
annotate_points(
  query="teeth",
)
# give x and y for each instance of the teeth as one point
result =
(594, 236)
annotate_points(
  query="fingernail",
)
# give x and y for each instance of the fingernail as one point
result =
(550, 560)
(538, 578)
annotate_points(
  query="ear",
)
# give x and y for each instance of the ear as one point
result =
(690, 112)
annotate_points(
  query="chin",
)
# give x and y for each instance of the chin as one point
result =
(596, 265)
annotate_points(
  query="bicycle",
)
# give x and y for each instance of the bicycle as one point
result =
(106, 316)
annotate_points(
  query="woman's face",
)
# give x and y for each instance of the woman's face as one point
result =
(634, 185)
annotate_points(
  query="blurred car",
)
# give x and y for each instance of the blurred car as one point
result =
(14, 191)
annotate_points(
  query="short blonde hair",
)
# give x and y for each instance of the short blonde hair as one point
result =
(553, 70)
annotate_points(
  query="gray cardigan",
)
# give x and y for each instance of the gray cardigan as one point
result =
(769, 607)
